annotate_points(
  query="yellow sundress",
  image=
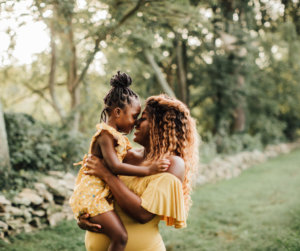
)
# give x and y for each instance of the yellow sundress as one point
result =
(162, 195)
(92, 195)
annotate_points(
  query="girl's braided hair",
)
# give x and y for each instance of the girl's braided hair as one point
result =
(119, 95)
(173, 132)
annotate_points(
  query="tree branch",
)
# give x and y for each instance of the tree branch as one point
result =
(40, 93)
(73, 59)
(130, 13)
(102, 37)
(17, 100)
(159, 75)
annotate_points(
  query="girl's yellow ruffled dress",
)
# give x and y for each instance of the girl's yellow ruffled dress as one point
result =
(92, 195)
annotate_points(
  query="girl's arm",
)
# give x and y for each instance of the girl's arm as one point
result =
(106, 142)
(129, 201)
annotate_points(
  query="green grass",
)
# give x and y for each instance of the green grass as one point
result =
(66, 236)
(258, 211)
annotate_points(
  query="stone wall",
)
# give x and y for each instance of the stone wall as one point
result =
(34, 209)
(232, 166)
(47, 204)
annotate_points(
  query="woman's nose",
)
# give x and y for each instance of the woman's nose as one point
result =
(137, 123)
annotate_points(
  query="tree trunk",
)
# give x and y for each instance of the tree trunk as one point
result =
(73, 87)
(181, 73)
(239, 116)
(55, 102)
(159, 75)
(239, 122)
(75, 102)
(229, 44)
(4, 150)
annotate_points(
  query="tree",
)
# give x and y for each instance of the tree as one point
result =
(234, 63)
(66, 26)
(4, 150)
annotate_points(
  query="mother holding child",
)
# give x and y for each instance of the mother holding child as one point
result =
(154, 183)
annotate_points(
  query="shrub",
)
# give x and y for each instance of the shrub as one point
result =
(225, 144)
(238, 143)
(38, 146)
(11, 183)
(270, 129)
(208, 148)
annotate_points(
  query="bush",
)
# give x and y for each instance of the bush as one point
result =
(238, 143)
(208, 148)
(270, 129)
(11, 183)
(41, 147)
(229, 144)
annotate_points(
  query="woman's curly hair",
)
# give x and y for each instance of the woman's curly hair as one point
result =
(173, 132)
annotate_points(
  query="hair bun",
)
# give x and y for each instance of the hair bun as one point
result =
(121, 80)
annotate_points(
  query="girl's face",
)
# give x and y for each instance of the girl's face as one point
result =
(142, 130)
(128, 116)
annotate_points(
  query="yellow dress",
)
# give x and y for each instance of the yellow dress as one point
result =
(92, 195)
(162, 195)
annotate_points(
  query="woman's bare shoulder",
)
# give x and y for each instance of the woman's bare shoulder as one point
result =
(177, 167)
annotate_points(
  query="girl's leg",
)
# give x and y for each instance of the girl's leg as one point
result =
(113, 227)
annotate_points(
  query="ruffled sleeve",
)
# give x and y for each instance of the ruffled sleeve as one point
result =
(128, 144)
(164, 196)
(118, 136)
(123, 143)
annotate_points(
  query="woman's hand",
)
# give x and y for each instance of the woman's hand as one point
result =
(85, 224)
(97, 167)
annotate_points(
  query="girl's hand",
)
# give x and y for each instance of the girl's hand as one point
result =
(97, 167)
(159, 166)
(85, 224)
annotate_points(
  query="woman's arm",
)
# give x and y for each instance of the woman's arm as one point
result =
(106, 142)
(129, 201)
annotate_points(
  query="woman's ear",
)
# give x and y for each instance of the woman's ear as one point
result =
(117, 112)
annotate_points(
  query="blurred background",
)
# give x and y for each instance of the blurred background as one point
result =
(234, 63)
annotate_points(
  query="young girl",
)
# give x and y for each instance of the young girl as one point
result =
(91, 195)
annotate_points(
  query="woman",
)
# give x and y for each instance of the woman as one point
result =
(165, 130)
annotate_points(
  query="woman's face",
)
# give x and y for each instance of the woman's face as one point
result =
(128, 116)
(142, 130)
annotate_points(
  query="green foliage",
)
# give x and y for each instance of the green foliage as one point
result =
(235, 55)
(270, 129)
(257, 211)
(11, 183)
(38, 146)
(238, 143)
(228, 144)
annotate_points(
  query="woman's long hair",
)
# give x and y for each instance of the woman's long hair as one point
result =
(173, 132)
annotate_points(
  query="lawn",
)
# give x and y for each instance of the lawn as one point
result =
(258, 211)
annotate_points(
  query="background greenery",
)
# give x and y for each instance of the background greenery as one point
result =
(258, 211)
(234, 63)
(36, 147)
